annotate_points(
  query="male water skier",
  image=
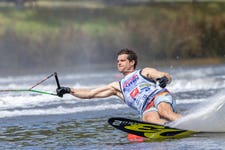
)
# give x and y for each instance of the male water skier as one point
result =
(138, 89)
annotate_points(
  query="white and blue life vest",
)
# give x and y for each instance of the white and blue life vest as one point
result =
(138, 91)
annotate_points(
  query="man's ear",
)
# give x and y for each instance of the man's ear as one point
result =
(132, 62)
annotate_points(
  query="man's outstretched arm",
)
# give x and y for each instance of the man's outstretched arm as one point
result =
(100, 92)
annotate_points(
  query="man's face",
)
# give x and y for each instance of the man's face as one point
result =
(124, 65)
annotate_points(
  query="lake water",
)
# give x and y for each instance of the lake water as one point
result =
(35, 121)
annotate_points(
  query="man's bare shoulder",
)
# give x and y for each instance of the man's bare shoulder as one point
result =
(115, 85)
(147, 70)
(154, 74)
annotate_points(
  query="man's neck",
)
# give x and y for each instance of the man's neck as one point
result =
(128, 72)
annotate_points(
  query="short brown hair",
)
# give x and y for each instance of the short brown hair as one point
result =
(131, 55)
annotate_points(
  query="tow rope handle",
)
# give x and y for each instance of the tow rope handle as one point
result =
(57, 79)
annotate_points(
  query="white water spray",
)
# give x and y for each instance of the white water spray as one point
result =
(208, 116)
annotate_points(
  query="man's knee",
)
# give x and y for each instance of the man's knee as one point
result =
(150, 116)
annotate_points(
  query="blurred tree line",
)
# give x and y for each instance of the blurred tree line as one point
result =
(69, 35)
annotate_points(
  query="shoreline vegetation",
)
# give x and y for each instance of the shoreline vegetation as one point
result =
(59, 34)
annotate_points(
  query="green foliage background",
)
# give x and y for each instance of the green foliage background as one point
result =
(71, 33)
